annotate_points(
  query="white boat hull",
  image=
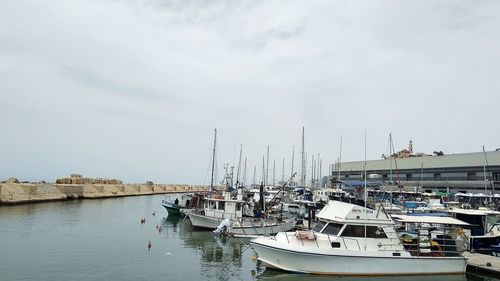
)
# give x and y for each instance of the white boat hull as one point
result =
(336, 263)
(202, 221)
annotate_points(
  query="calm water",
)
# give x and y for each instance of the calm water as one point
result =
(104, 240)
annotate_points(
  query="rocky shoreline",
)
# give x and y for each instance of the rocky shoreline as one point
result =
(22, 193)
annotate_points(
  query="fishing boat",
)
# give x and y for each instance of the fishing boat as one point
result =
(175, 203)
(352, 240)
(234, 217)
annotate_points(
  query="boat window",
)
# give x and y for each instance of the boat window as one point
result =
(332, 228)
(238, 206)
(212, 205)
(221, 205)
(359, 231)
(319, 226)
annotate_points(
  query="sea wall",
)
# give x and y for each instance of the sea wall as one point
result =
(18, 193)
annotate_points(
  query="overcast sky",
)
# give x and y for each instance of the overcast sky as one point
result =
(134, 89)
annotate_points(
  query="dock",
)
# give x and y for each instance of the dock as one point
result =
(479, 263)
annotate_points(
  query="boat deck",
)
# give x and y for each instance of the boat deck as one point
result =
(482, 263)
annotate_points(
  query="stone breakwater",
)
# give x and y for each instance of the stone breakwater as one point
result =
(17, 193)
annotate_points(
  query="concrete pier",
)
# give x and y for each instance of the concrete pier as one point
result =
(19, 193)
(479, 263)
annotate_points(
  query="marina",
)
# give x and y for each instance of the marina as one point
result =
(104, 239)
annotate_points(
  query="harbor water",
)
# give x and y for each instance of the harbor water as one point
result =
(103, 239)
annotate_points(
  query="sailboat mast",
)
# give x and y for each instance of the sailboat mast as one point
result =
(303, 162)
(267, 167)
(244, 180)
(213, 161)
(283, 170)
(254, 173)
(340, 158)
(239, 167)
(484, 172)
(293, 160)
(274, 172)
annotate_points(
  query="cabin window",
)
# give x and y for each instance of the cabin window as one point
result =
(359, 231)
(238, 206)
(221, 205)
(319, 226)
(332, 228)
(212, 205)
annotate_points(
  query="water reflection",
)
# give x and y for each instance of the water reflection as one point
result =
(221, 258)
(275, 275)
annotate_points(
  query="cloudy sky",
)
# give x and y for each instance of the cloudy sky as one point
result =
(133, 89)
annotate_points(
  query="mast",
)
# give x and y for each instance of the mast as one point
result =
(292, 173)
(340, 158)
(303, 162)
(283, 171)
(312, 170)
(244, 180)
(239, 168)
(274, 172)
(366, 192)
(318, 172)
(267, 167)
(254, 173)
(263, 170)
(213, 161)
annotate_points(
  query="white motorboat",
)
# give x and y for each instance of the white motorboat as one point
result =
(352, 240)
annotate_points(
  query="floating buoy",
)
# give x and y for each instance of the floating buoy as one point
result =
(149, 245)
(156, 227)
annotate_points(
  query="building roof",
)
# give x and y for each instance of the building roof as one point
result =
(474, 159)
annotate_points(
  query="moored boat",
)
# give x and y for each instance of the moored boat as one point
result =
(351, 240)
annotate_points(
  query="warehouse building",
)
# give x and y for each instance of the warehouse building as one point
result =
(477, 172)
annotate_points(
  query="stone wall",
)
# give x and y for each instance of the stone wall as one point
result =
(14, 193)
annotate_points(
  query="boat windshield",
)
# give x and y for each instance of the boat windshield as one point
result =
(319, 226)
(332, 228)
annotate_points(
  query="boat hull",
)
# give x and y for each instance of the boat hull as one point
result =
(261, 229)
(334, 264)
(202, 221)
(172, 209)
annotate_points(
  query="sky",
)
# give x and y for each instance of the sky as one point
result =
(133, 89)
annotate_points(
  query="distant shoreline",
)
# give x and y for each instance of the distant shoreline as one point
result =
(26, 193)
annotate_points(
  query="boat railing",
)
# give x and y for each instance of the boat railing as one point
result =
(345, 244)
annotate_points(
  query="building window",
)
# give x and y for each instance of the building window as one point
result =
(408, 176)
(437, 176)
(384, 177)
(496, 176)
(471, 176)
